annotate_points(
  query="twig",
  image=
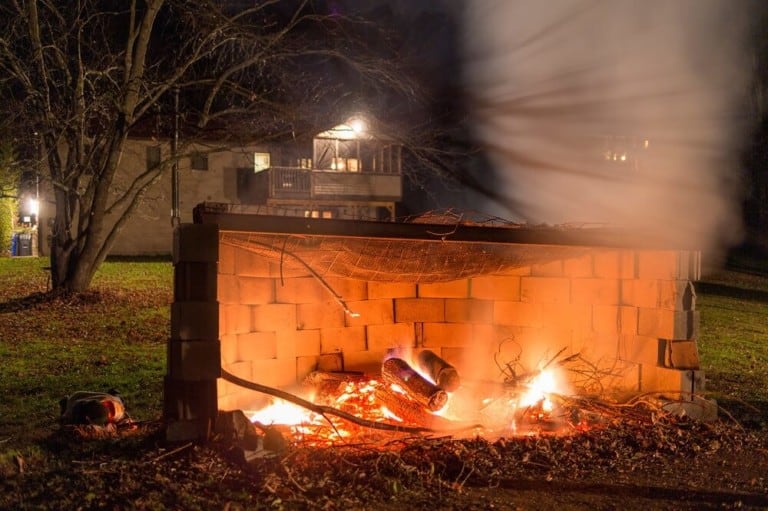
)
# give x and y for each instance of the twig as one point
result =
(175, 451)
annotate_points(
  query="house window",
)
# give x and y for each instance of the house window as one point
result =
(153, 157)
(260, 162)
(198, 161)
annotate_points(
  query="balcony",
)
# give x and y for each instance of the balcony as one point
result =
(298, 183)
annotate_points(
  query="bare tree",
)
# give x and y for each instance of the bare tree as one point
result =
(80, 76)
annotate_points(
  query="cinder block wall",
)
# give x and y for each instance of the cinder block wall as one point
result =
(629, 313)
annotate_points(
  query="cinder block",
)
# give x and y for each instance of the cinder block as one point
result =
(226, 259)
(495, 287)
(235, 319)
(248, 264)
(329, 362)
(298, 343)
(304, 366)
(370, 312)
(679, 354)
(197, 243)
(640, 293)
(595, 291)
(275, 372)
(606, 318)
(690, 265)
(301, 290)
(367, 361)
(548, 269)
(439, 335)
(578, 267)
(342, 339)
(577, 317)
(452, 289)
(675, 383)
(628, 319)
(668, 324)
(545, 290)
(194, 321)
(409, 310)
(194, 360)
(465, 310)
(610, 265)
(382, 337)
(273, 317)
(639, 349)
(242, 369)
(391, 290)
(228, 289)
(229, 349)
(677, 295)
(658, 264)
(518, 313)
(256, 346)
(255, 290)
(597, 347)
(194, 282)
(319, 315)
(348, 289)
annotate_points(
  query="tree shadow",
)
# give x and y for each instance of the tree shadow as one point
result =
(741, 293)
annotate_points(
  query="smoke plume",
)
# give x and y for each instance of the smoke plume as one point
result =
(621, 112)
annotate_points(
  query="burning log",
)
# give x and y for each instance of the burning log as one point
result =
(442, 373)
(411, 412)
(397, 371)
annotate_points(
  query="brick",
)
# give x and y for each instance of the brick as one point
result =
(639, 349)
(194, 321)
(228, 348)
(273, 317)
(319, 315)
(545, 290)
(348, 289)
(597, 347)
(679, 354)
(371, 312)
(242, 369)
(301, 290)
(606, 319)
(438, 335)
(452, 289)
(329, 362)
(672, 382)
(689, 265)
(640, 293)
(419, 310)
(517, 313)
(196, 243)
(383, 337)
(367, 361)
(657, 264)
(578, 267)
(621, 382)
(256, 290)
(548, 269)
(391, 290)
(595, 291)
(464, 310)
(298, 343)
(342, 339)
(577, 317)
(256, 346)
(226, 259)
(677, 295)
(495, 287)
(608, 265)
(668, 324)
(275, 372)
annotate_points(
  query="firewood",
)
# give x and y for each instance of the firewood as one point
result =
(411, 412)
(442, 373)
(397, 371)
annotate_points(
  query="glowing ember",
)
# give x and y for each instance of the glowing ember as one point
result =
(539, 390)
(283, 412)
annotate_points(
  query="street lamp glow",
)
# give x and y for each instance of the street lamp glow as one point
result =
(357, 125)
(33, 206)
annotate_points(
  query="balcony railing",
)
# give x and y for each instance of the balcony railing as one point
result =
(297, 183)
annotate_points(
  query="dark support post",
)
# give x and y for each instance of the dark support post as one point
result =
(190, 402)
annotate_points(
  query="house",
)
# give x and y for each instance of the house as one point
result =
(343, 172)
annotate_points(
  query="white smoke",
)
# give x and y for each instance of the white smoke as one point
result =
(563, 90)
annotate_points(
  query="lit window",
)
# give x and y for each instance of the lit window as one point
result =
(260, 162)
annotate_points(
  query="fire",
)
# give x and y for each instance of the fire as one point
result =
(283, 412)
(540, 388)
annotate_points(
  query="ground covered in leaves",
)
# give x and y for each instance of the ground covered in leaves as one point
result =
(114, 336)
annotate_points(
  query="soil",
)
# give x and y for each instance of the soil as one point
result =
(633, 464)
